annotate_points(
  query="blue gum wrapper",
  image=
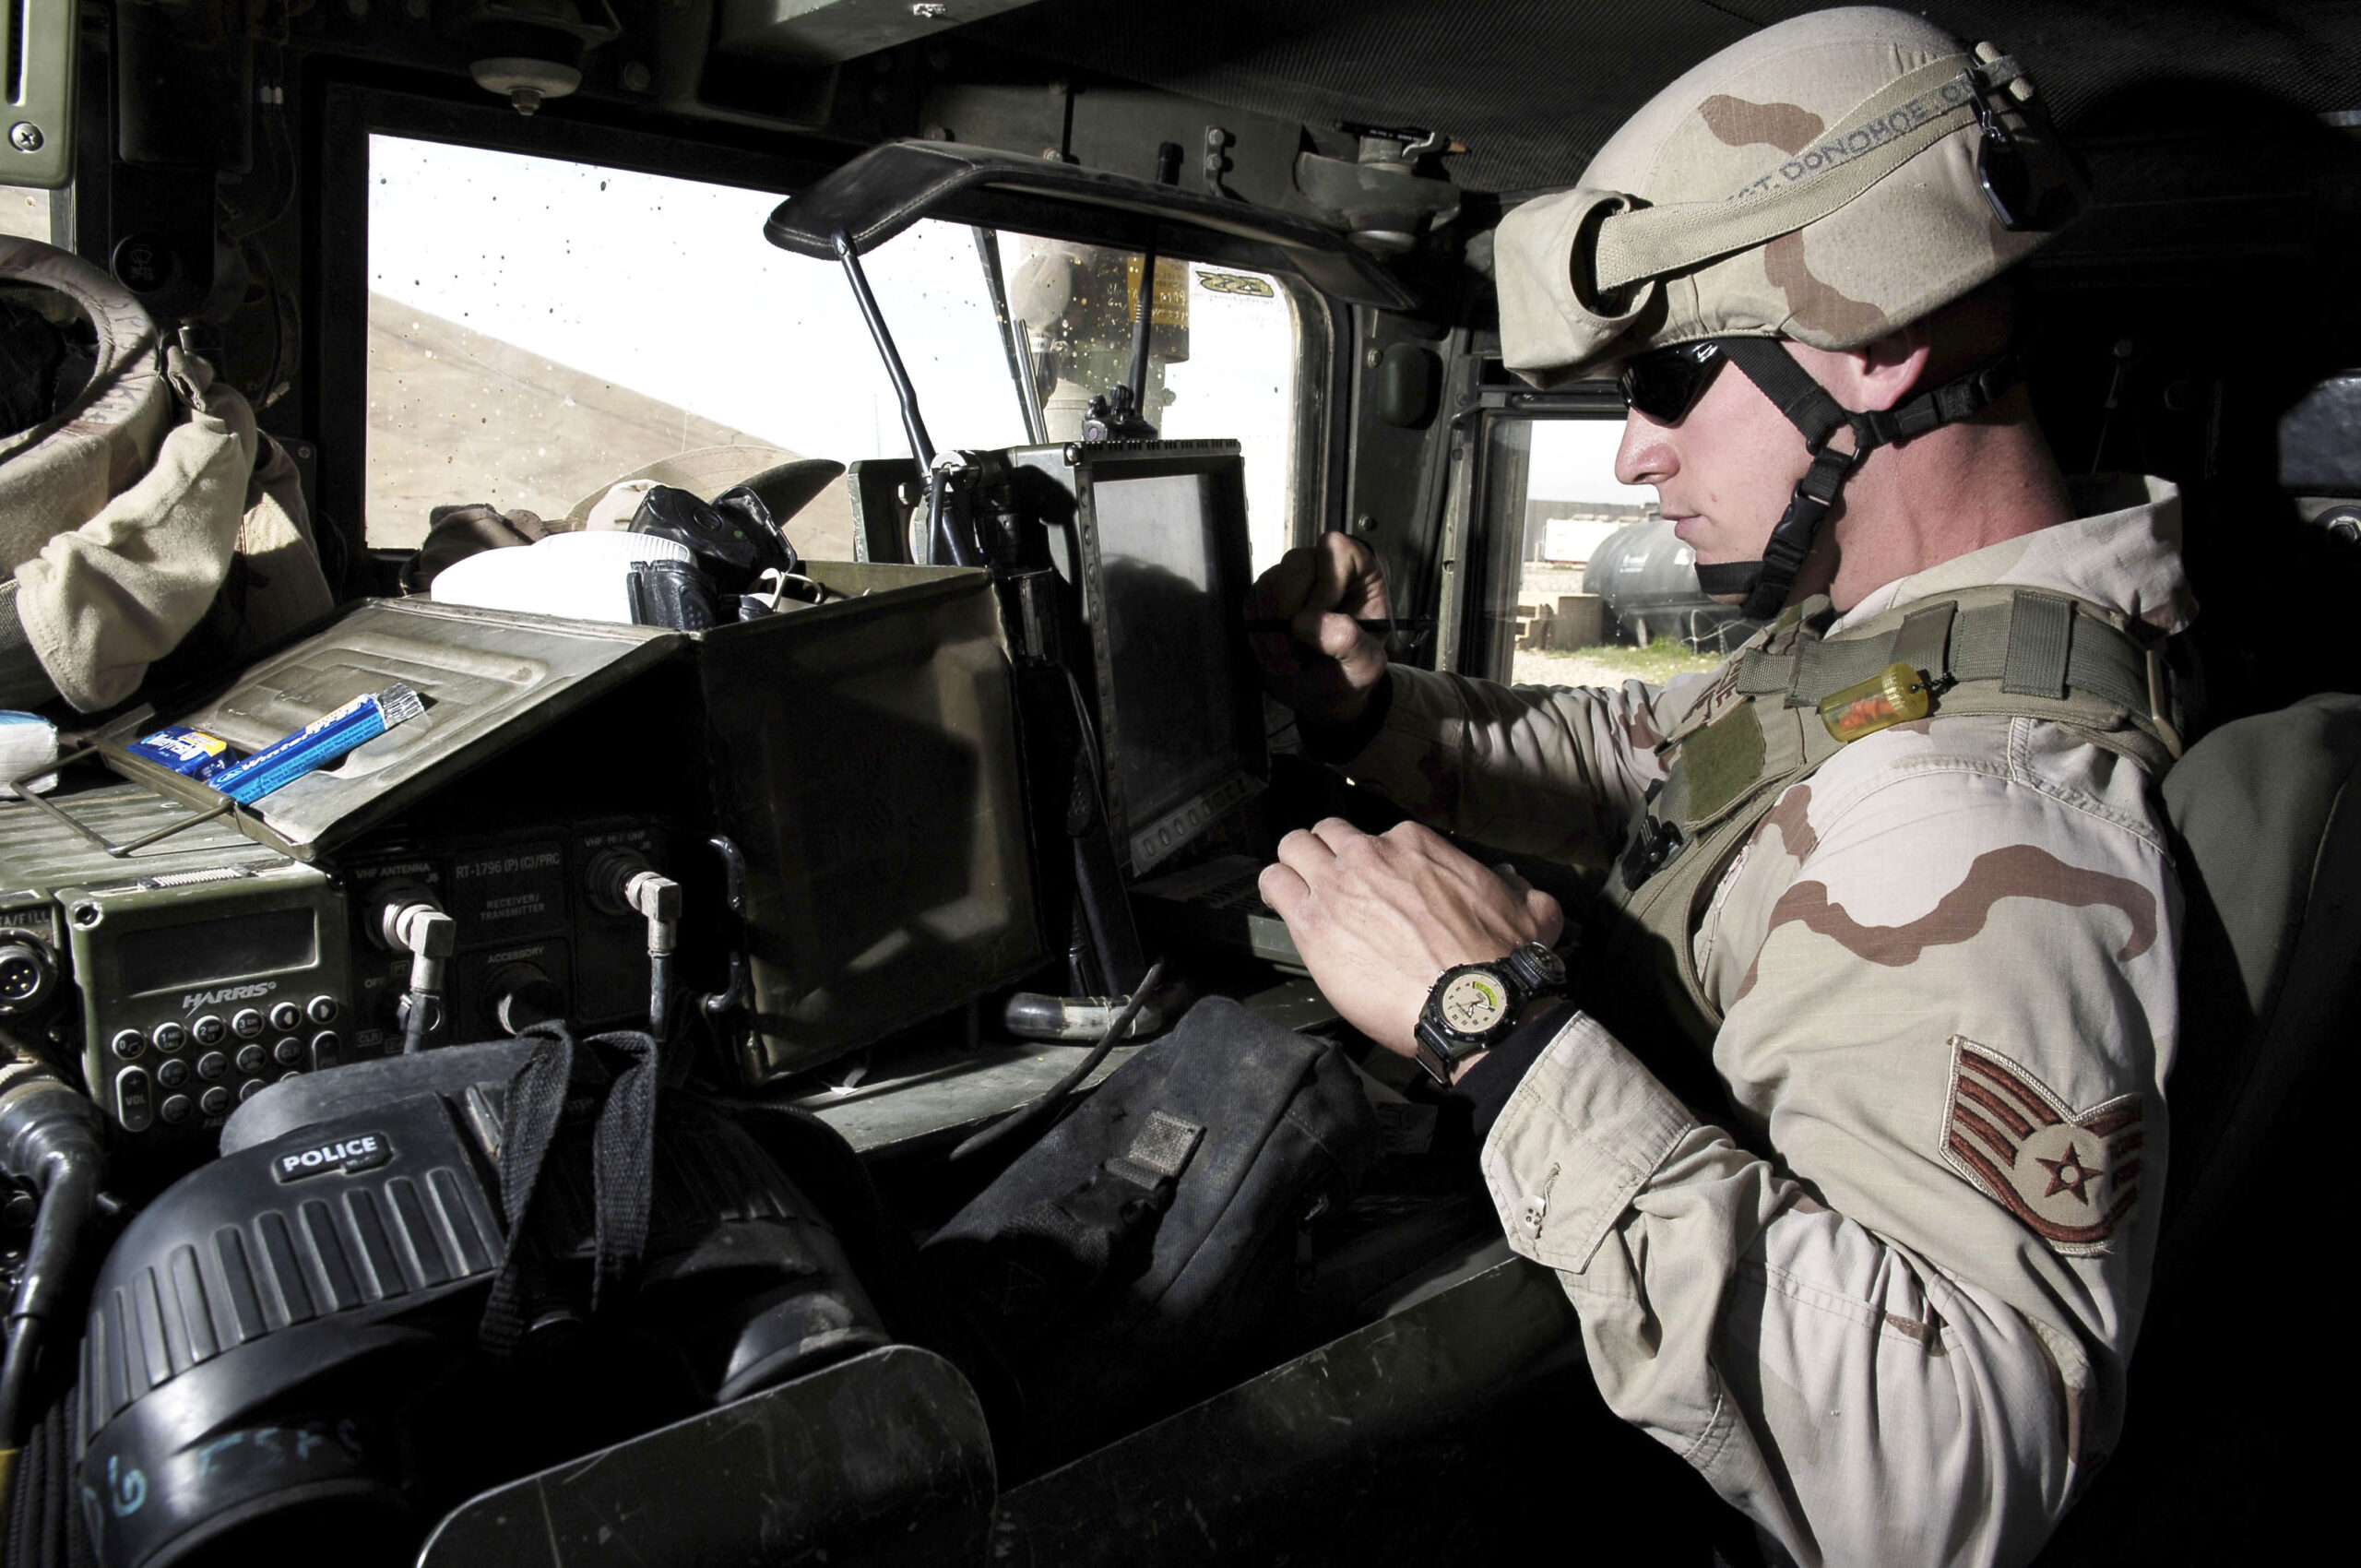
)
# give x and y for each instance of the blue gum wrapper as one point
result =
(318, 743)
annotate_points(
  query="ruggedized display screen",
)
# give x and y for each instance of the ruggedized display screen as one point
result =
(172, 956)
(1180, 709)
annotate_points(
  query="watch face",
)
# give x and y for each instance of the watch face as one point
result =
(1472, 1003)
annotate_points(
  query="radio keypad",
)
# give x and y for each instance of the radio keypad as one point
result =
(169, 1037)
(215, 1101)
(252, 1059)
(212, 1066)
(209, 1030)
(178, 1107)
(286, 1017)
(134, 1107)
(324, 1009)
(173, 1074)
(327, 1050)
(290, 1051)
(246, 1024)
(128, 1044)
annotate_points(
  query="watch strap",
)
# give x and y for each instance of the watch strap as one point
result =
(1436, 1054)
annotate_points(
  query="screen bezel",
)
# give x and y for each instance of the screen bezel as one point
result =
(1141, 845)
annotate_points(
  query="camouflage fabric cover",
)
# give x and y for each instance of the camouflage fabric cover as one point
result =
(1816, 180)
(153, 508)
(1888, 1312)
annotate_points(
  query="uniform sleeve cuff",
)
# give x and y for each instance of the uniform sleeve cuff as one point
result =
(1342, 742)
(1485, 1087)
(1585, 1129)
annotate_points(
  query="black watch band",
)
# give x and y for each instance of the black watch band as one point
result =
(1472, 1007)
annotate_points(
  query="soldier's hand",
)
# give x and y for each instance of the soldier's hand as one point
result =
(1324, 665)
(1379, 919)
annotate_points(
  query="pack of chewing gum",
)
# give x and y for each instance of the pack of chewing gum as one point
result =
(212, 760)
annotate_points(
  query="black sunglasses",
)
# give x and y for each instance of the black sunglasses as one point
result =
(1664, 384)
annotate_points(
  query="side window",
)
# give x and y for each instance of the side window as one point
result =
(1225, 353)
(1585, 581)
(539, 330)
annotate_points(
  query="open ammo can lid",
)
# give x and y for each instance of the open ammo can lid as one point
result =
(490, 678)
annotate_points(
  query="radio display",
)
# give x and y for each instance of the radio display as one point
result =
(167, 957)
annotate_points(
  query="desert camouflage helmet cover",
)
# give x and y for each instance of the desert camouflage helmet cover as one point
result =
(1818, 180)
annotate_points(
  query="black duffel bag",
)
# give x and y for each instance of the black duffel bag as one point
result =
(1120, 1263)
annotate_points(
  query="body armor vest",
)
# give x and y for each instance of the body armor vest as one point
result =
(1767, 720)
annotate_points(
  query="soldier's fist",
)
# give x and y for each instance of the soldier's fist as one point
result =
(1378, 918)
(1324, 665)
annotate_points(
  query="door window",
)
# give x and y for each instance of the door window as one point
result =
(1583, 572)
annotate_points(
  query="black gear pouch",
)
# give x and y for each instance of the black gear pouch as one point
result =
(1119, 1263)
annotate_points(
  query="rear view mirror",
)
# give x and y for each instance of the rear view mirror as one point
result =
(37, 62)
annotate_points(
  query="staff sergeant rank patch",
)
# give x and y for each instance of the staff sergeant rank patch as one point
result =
(2071, 1176)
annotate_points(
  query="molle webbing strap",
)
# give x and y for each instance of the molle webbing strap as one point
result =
(2039, 646)
(2034, 643)
(1880, 134)
(1923, 640)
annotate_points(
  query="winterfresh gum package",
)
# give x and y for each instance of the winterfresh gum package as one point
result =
(318, 743)
(192, 752)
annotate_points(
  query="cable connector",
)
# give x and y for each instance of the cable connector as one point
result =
(409, 921)
(621, 881)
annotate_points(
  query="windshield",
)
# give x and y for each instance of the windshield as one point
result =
(539, 330)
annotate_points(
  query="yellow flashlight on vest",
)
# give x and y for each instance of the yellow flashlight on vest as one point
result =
(1894, 696)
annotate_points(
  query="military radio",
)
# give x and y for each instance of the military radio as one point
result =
(190, 971)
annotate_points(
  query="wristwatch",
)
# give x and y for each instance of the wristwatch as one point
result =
(1474, 1006)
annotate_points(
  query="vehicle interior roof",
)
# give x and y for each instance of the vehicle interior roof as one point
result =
(1534, 87)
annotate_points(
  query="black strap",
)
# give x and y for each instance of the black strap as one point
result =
(623, 1162)
(1806, 404)
(1808, 407)
(622, 1167)
(1811, 409)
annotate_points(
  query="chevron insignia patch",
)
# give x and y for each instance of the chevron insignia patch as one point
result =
(2070, 1176)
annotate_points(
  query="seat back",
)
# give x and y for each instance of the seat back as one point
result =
(2268, 809)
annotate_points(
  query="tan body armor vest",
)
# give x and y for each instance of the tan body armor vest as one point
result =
(1760, 728)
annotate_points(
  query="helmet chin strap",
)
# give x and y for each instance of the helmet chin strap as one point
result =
(1810, 408)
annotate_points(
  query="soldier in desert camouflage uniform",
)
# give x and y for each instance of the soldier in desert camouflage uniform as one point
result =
(1886, 1309)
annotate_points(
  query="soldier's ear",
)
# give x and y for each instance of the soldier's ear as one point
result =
(1887, 368)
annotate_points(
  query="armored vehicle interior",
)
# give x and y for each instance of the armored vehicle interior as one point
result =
(1039, 329)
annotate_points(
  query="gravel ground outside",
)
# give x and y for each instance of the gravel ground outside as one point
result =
(1611, 665)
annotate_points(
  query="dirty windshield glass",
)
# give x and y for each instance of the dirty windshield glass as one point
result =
(539, 330)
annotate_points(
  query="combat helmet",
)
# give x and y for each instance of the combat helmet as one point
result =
(1830, 178)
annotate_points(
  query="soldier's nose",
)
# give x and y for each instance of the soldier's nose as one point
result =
(1645, 455)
